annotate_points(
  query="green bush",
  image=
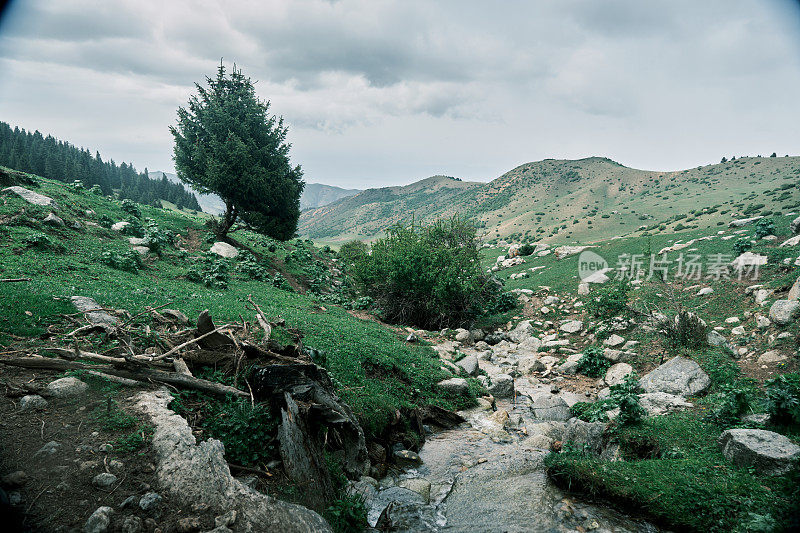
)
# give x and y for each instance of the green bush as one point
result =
(134, 228)
(39, 241)
(129, 261)
(248, 431)
(96, 190)
(156, 238)
(686, 329)
(428, 276)
(626, 397)
(526, 249)
(764, 227)
(741, 245)
(211, 271)
(352, 252)
(609, 300)
(783, 399)
(251, 268)
(734, 400)
(592, 363)
(132, 208)
(348, 514)
(105, 221)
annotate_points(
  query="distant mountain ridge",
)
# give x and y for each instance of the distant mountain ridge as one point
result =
(580, 200)
(314, 195)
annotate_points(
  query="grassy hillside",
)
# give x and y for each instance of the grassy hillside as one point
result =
(377, 372)
(573, 201)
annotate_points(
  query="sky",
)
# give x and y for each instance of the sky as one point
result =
(379, 92)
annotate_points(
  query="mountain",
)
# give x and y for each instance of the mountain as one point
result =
(314, 195)
(318, 194)
(571, 200)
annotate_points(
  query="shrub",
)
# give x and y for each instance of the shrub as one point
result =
(96, 190)
(626, 397)
(348, 514)
(428, 276)
(734, 402)
(129, 261)
(105, 221)
(157, 239)
(764, 227)
(686, 329)
(251, 268)
(352, 252)
(526, 249)
(783, 398)
(741, 245)
(247, 431)
(280, 282)
(38, 241)
(609, 300)
(77, 185)
(211, 271)
(592, 363)
(134, 228)
(132, 208)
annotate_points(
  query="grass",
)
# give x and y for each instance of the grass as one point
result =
(376, 372)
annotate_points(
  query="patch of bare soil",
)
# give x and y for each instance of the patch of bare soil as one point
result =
(58, 491)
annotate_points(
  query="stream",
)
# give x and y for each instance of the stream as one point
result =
(488, 475)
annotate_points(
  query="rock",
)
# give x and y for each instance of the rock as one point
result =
(614, 340)
(119, 226)
(48, 449)
(223, 249)
(529, 364)
(566, 251)
(732, 320)
(418, 485)
(794, 225)
(32, 402)
(760, 419)
(64, 387)
(600, 277)
(104, 480)
(659, 403)
(761, 295)
(30, 196)
(137, 241)
(477, 334)
(749, 260)
(715, 338)
(552, 300)
(454, 385)
(704, 291)
(407, 516)
(93, 311)
(772, 356)
(546, 406)
(131, 524)
(469, 364)
(189, 524)
(150, 502)
(15, 479)
(99, 521)
(570, 366)
(463, 336)
(587, 436)
(763, 322)
(583, 289)
(141, 250)
(742, 222)
(784, 311)
(572, 326)
(616, 373)
(411, 338)
(388, 496)
(794, 292)
(522, 332)
(502, 386)
(680, 376)
(544, 310)
(768, 452)
(793, 241)
(229, 518)
(53, 220)
(175, 316)
(738, 330)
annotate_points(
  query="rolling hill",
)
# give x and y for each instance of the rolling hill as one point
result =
(571, 200)
(319, 194)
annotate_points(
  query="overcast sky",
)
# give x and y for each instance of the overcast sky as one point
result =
(382, 92)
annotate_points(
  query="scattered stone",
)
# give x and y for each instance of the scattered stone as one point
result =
(189, 524)
(738, 330)
(768, 452)
(454, 385)
(572, 326)
(659, 403)
(583, 289)
(547, 406)
(784, 311)
(469, 364)
(748, 260)
(715, 338)
(794, 292)
(570, 366)
(772, 356)
(463, 336)
(400, 509)
(566, 251)
(131, 524)
(229, 518)
(794, 225)
(48, 449)
(64, 387)
(223, 249)
(30, 196)
(119, 226)
(679, 376)
(104, 480)
(150, 501)
(585, 435)
(732, 320)
(502, 386)
(419, 485)
(53, 220)
(704, 291)
(93, 311)
(529, 364)
(552, 300)
(760, 419)
(14, 479)
(616, 373)
(614, 340)
(544, 310)
(99, 521)
(742, 222)
(32, 402)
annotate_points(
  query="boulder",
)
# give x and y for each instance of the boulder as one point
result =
(794, 225)
(572, 326)
(768, 452)
(99, 521)
(587, 436)
(784, 311)
(616, 373)
(570, 366)
(749, 260)
(772, 356)
(715, 338)
(53, 220)
(792, 241)
(522, 332)
(30, 196)
(600, 277)
(32, 402)
(469, 364)
(546, 406)
(454, 385)
(93, 311)
(614, 341)
(64, 387)
(119, 226)
(679, 376)
(794, 292)
(528, 364)
(223, 249)
(463, 336)
(761, 295)
(502, 386)
(566, 251)
(742, 222)
(659, 403)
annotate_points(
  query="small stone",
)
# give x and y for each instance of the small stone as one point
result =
(705, 291)
(99, 521)
(763, 322)
(772, 356)
(572, 326)
(407, 457)
(131, 524)
(411, 338)
(502, 386)
(15, 479)
(116, 465)
(738, 330)
(104, 480)
(64, 387)
(732, 320)
(48, 449)
(469, 364)
(53, 220)
(189, 524)
(150, 501)
(614, 340)
(32, 402)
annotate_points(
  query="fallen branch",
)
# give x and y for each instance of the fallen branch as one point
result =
(14, 280)
(262, 319)
(187, 343)
(145, 375)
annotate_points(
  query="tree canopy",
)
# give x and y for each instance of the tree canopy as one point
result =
(227, 143)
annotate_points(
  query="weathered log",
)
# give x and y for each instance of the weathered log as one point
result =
(203, 337)
(209, 334)
(180, 367)
(14, 280)
(145, 375)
